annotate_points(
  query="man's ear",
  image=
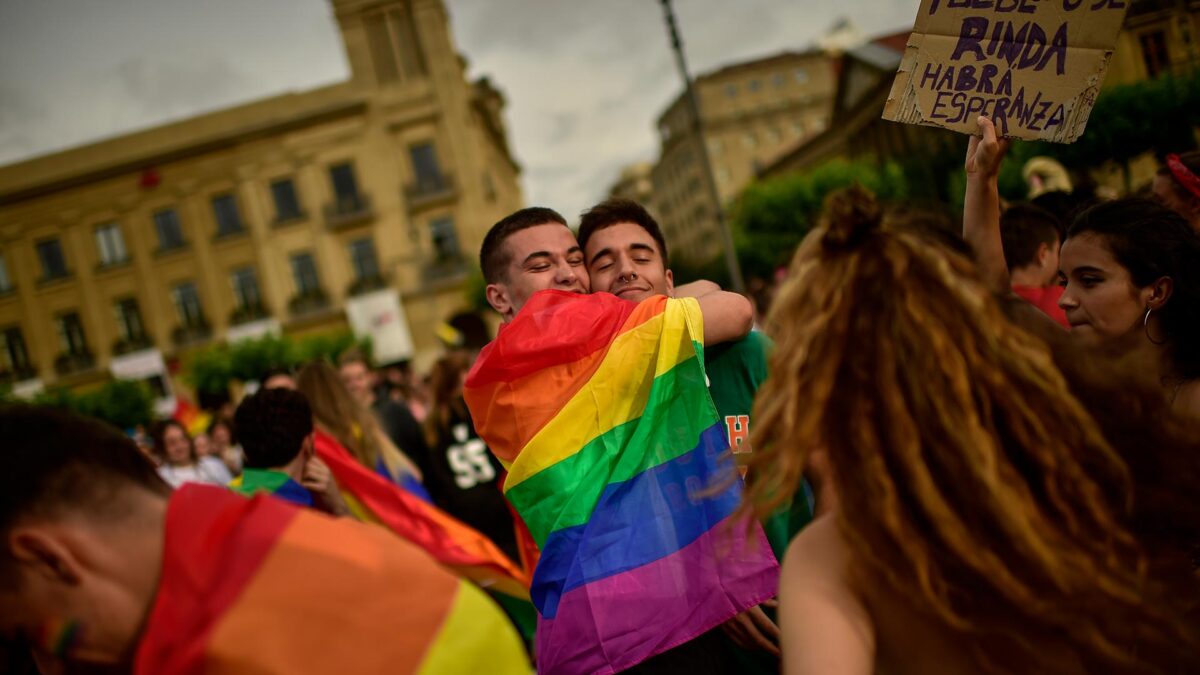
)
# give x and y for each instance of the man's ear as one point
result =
(670, 284)
(498, 298)
(309, 447)
(1043, 252)
(1158, 293)
(46, 552)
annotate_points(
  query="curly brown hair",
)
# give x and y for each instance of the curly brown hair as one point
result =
(970, 479)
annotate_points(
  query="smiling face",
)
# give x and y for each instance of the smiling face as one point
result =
(540, 257)
(177, 449)
(1101, 301)
(624, 260)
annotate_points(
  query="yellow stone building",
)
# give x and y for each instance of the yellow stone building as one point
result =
(275, 216)
(1159, 36)
(752, 113)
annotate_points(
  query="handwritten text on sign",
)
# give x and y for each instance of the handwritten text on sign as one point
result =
(1033, 66)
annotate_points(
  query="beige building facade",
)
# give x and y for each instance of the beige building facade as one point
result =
(268, 217)
(751, 113)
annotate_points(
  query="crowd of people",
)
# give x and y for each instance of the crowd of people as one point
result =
(933, 452)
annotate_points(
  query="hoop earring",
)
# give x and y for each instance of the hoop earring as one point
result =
(1146, 327)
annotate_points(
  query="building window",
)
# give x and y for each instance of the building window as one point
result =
(345, 188)
(1154, 52)
(304, 272)
(755, 84)
(778, 79)
(731, 90)
(445, 239)
(14, 353)
(287, 205)
(245, 288)
(5, 280)
(129, 320)
(54, 265)
(187, 305)
(225, 212)
(170, 233)
(749, 139)
(110, 244)
(425, 168)
(394, 44)
(801, 76)
(71, 339)
(362, 259)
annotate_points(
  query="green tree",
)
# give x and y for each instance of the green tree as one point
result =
(772, 217)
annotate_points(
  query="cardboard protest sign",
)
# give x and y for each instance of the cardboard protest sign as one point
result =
(1033, 66)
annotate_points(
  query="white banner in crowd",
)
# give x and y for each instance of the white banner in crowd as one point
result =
(252, 330)
(380, 316)
(146, 365)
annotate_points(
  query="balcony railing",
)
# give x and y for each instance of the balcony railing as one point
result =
(18, 374)
(445, 267)
(308, 303)
(366, 285)
(190, 334)
(348, 210)
(248, 313)
(69, 363)
(430, 191)
(132, 344)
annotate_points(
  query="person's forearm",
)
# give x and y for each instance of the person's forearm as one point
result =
(981, 230)
(696, 289)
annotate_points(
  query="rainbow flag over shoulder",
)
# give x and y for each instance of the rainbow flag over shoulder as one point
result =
(260, 586)
(618, 464)
(462, 548)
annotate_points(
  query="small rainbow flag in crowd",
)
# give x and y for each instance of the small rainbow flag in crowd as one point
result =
(373, 498)
(258, 585)
(618, 464)
(192, 418)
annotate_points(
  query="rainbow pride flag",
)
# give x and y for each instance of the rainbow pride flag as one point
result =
(258, 585)
(373, 498)
(618, 464)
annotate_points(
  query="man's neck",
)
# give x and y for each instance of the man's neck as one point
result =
(1029, 276)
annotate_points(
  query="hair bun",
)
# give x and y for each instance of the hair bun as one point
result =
(849, 216)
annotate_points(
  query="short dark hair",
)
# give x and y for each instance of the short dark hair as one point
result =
(274, 424)
(492, 259)
(55, 459)
(612, 211)
(1023, 228)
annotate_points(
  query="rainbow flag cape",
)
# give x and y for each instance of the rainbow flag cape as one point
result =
(462, 548)
(258, 585)
(619, 466)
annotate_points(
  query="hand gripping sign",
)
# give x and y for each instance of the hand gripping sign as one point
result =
(1033, 66)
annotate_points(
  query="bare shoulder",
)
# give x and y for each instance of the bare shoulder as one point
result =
(825, 627)
(1187, 401)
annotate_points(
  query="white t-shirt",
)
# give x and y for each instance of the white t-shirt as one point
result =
(208, 470)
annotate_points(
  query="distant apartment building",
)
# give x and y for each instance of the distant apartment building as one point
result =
(274, 216)
(751, 113)
(1159, 36)
(635, 183)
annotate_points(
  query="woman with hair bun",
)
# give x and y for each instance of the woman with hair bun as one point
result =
(983, 521)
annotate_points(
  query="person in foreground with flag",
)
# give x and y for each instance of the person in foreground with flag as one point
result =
(101, 564)
(277, 437)
(617, 461)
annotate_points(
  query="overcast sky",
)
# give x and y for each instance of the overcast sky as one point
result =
(585, 80)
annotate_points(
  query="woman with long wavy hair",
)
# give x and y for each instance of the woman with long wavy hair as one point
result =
(983, 522)
(353, 426)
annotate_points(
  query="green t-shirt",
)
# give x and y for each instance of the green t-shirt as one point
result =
(735, 372)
